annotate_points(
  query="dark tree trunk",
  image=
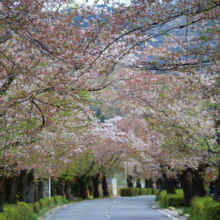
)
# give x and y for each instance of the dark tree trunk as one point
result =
(83, 189)
(60, 187)
(95, 181)
(146, 183)
(36, 199)
(151, 183)
(105, 186)
(2, 192)
(29, 193)
(67, 190)
(21, 181)
(11, 190)
(41, 189)
(138, 183)
(169, 184)
(160, 184)
(192, 185)
(52, 187)
(176, 183)
(217, 187)
(129, 181)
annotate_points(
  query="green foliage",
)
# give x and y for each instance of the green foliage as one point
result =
(130, 192)
(205, 208)
(138, 191)
(2, 217)
(59, 200)
(44, 203)
(65, 201)
(21, 211)
(166, 200)
(32, 217)
(36, 207)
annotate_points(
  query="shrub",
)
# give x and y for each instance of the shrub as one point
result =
(205, 208)
(166, 200)
(36, 207)
(65, 201)
(21, 211)
(2, 217)
(146, 191)
(44, 203)
(59, 199)
(32, 217)
(130, 191)
(155, 191)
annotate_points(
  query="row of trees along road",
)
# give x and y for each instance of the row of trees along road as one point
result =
(56, 58)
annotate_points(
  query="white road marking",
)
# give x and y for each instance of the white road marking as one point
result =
(153, 207)
(167, 214)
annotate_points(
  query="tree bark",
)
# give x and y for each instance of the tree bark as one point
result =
(52, 188)
(11, 190)
(60, 187)
(138, 183)
(29, 193)
(41, 189)
(67, 190)
(21, 181)
(105, 186)
(160, 184)
(192, 185)
(217, 187)
(146, 183)
(129, 181)
(151, 183)
(169, 184)
(83, 190)
(36, 198)
(95, 181)
(2, 192)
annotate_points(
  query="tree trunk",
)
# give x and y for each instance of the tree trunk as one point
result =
(36, 198)
(138, 183)
(160, 184)
(29, 193)
(169, 184)
(2, 192)
(217, 187)
(41, 189)
(146, 183)
(129, 181)
(192, 185)
(67, 190)
(21, 181)
(151, 183)
(105, 186)
(60, 187)
(95, 181)
(11, 190)
(83, 189)
(52, 187)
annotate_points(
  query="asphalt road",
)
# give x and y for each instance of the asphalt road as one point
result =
(121, 208)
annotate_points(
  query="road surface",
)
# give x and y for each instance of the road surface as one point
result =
(121, 208)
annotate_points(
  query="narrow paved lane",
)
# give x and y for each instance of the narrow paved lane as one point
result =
(124, 208)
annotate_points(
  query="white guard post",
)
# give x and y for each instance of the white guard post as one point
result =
(49, 189)
(114, 187)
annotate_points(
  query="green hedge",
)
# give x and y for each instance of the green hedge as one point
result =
(130, 192)
(205, 208)
(166, 200)
(21, 211)
(138, 191)
(2, 217)
(58, 200)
